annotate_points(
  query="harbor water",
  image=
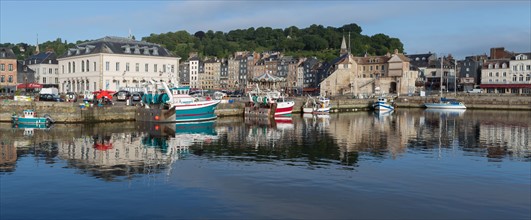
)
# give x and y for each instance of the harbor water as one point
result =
(411, 163)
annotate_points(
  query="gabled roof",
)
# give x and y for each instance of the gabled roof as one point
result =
(7, 53)
(117, 45)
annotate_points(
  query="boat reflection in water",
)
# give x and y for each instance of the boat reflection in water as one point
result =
(147, 148)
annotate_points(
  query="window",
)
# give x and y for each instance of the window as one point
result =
(93, 69)
(173, 68)
(69, 68)
(137, 67)
(514, 78)
(10, 78)
(127, 67)
(50, 70)
(56, 71)
(521, 78)
(146, 67)
(490, 74)
(87, 62)
(2, 79)
(117, 66)
(63, 68)
(107, 64)
(44, 80)
(82, 66)
(3, 67)
(73, 67)
(504, 74)
(528, 77)
(10, 67)
(155, 68)
(383, 67)
(497, 74)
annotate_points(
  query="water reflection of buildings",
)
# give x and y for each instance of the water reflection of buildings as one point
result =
(359, 132)
(151, 149)
(507, 135)
(268, 131)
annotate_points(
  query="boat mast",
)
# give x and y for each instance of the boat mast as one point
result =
(441, 78)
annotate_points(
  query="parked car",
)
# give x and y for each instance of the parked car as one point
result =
(136, 97)
(122, 95)
(50, 97)
(71, 97)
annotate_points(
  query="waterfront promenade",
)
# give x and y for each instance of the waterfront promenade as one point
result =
(68, 112)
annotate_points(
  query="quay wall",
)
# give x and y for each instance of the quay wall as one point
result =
(66, 112)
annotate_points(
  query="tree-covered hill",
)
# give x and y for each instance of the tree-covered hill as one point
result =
(314, 41)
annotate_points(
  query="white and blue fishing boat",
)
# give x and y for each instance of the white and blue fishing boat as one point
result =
(382, 105)
(445, 103)
(175, 105)
(29, 117)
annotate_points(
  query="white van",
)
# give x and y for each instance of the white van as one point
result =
(53, 91)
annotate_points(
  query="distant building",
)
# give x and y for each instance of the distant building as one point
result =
(24, 73)
(368, 75)
(114, 63)
(194, 66)
(8, 70)
(506, 72)
(470, 71)
(46, 68)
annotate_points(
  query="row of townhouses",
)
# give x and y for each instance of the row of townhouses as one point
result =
(115, 63)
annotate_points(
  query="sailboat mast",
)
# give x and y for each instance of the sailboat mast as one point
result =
(441, 79)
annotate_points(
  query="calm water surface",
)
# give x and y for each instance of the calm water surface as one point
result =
(413, 164)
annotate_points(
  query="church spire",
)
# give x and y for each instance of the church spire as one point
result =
(344, 48)
(37, 50)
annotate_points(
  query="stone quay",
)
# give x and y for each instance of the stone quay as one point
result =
(68, 112)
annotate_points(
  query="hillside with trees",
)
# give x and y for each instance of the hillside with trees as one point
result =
(314, 41)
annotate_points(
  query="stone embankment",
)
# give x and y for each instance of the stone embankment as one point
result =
(65, 112)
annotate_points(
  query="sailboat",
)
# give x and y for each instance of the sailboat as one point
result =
(445, 103)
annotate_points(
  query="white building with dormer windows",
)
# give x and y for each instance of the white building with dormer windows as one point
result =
(115, 63)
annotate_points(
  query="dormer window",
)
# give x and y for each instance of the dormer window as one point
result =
(155, 51)
(127, 48)
(137, 50)
(146, 50)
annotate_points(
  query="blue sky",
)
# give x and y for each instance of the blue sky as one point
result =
(461, 28)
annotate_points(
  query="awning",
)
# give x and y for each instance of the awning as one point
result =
(29, 86)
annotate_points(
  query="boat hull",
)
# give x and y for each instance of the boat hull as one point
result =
(284, 108)
(383, 107)
(198, 111)
(30, 121)
(444, 106)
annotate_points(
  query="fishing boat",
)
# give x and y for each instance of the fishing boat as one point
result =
(319, 105)
(265, 100)
(175, 104)
(29, 117)
(445, 103)
(382, 104)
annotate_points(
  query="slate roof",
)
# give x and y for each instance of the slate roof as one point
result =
(117, 45)
(7, 53)
(420, 60)
(43, 57)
